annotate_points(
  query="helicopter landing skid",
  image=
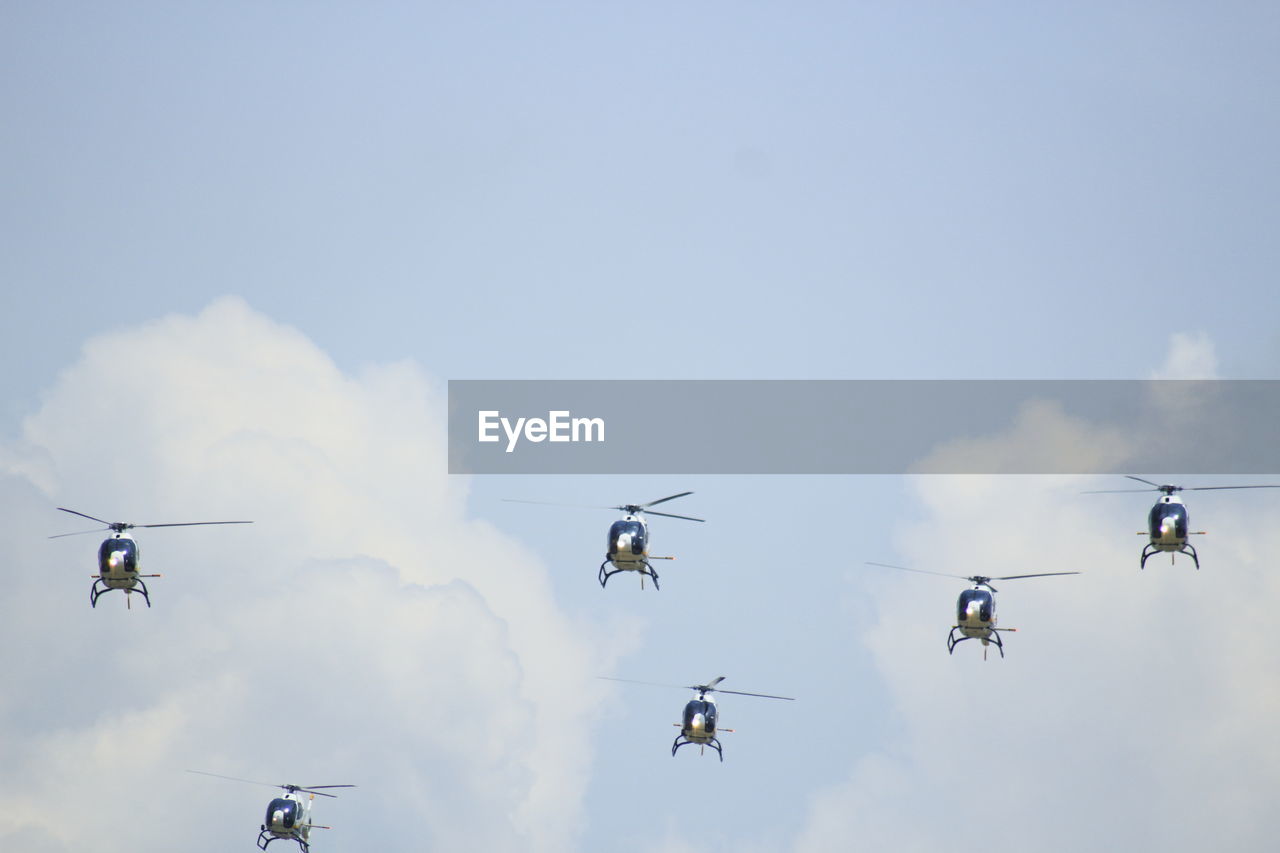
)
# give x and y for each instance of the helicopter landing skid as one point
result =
(952, 642)
(645, 570)
(681, 740)
(265, 838)
(95, 592)
(1188, 549)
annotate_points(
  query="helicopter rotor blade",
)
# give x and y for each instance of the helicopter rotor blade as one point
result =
(237, 779)
(1116, 491)
(83, 515)
(312, 789)
(710, 687)
(664, 500)
(758, 695)
(670, 515)
(920, 571)
(556, 503)
(707, 688)
(647, 683)
(1037, 575)
(1210, 488)
(80, 532)
(192, 523)
(1140, 480)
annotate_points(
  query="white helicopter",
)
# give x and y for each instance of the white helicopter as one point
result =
(976, 607)
(288, 817)
(699, 721)
(1168, 521)
(118, 557)
(629, 538)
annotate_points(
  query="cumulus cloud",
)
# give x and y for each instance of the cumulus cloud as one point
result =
(363, 630)
(1191, 355)
(1133, 710)
(1042, 438)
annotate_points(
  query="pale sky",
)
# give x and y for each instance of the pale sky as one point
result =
(245, 246)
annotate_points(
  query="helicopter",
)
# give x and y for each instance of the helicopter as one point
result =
(628, 549)
(118, 558)
(1167, 523)
(288, 817)
(976, 607)
(699, 725)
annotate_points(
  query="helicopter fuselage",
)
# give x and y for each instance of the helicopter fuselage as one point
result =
(1168, 527)
(1167, 524)
(118, 569)
(629, 550)
(699, 725)
(976, 614)
(629, 544)
(289, 818)
(118, 562)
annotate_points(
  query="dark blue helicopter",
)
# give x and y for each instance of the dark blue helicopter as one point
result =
(1168, 523)
(976, 607)
(699, 720)
(288, 817)
(118, 557)
(628, 549)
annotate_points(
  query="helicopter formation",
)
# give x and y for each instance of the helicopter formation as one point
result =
(288, 816)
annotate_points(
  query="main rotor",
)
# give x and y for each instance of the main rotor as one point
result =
(630, 509)
(701, 689)
(976, 580)
(704, 689)
(119, 527)
(292, 789)
(1170, 489)
(636, 509)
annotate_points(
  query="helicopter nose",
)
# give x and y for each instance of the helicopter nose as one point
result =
(699, 723)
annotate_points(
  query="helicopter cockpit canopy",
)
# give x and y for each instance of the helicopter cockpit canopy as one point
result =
(706, 709)
(118, 554)
(984, 600)
(1175, 511)
(623, 528)
(288, 813)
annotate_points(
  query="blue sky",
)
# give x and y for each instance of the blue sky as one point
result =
(245, 246)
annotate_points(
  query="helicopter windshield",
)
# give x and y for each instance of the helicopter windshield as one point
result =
(288, 813)
(706, 709)
(1161, 511)
(986, 604)
(633, 528)
(119, 554)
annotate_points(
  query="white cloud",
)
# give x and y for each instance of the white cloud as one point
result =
(1133, 710)
(1042, 438)
(1191, 355)
(363, 630)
